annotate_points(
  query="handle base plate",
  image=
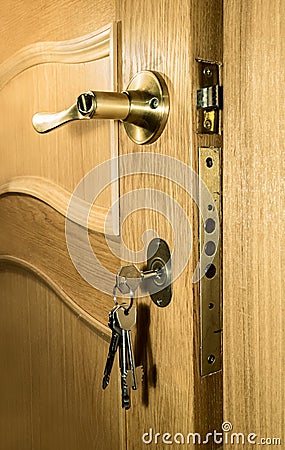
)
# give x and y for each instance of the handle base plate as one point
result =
(152, 108)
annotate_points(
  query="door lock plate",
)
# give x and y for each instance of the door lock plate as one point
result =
(210, 260)
(209, 98)
(159, 259)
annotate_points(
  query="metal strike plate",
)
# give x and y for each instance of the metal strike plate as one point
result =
(159, 259)
(210, 260)
(209, 98)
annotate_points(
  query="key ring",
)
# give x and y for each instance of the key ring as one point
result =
(130, 293)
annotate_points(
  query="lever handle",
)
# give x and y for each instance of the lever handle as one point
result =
(44, 122)
(100, 105)
(143, 108)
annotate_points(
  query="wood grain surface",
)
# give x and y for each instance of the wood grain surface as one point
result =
(156, 36)
(254, 311)
(167, 38)
(82, 49)
(48, 77)
(51, 372)
(35, 233)
(24, 24)
(58, 198)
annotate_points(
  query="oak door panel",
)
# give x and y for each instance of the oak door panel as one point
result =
(168, 36)
(254, 323)
(51, 371)
(48, 77)
(157, 35)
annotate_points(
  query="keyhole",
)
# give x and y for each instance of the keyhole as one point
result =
(85, 103)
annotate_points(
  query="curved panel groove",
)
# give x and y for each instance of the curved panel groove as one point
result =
(58, 198)
(91, 47)
(80, 313)
(34, 232)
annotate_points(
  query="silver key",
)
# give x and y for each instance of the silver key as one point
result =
(114, 344)
(128, 279)
(126, 403)
(127, 319)
(121, 319)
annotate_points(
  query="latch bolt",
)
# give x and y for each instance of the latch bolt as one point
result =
(209, 98)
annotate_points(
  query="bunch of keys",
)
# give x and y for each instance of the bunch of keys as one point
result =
(122, 318)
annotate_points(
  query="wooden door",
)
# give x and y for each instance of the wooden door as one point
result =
(253, 220)
(54, 334)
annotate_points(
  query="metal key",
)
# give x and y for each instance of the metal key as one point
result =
(128, 279)
(127, 319)
(114, 344)
(126, 403)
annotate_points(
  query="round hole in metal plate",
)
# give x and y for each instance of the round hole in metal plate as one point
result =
(209, 162)
(210, 270)
(210, 225)
(210, 248)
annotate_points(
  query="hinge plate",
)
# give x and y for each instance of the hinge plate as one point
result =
(210, 260)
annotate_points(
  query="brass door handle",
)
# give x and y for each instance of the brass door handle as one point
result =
(143, 108)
